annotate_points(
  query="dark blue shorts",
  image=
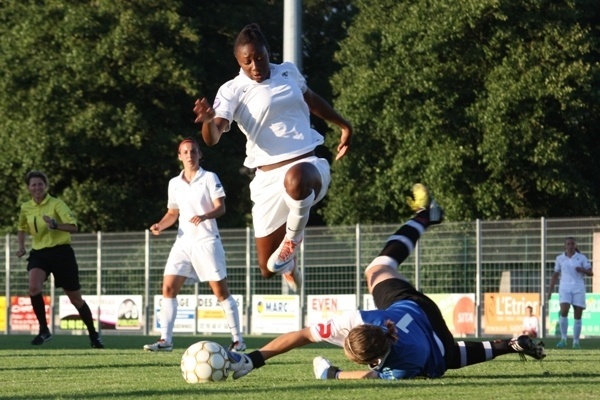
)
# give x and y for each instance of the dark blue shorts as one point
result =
(59, 261)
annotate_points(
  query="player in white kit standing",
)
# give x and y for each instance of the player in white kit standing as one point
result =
(196, 199)
(571, 267)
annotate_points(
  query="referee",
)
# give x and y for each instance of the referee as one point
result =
(50, 223)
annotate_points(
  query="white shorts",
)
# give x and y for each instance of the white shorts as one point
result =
(267, 191)
(198, 262)
(572, 295)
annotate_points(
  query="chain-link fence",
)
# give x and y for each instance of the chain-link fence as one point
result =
(467, 257)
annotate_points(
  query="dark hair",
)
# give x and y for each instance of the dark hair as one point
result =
(36, 174)
(251, 34)
(366, 343)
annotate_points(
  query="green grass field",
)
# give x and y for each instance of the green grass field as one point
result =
(65, 368)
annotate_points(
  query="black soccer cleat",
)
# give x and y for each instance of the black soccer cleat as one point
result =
(42, 338)
(96, 341)
(525, 346)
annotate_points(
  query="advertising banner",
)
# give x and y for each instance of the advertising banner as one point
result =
(503, 313)
(120, 312)
(322, 307)
(458, 310)
(211, 317)
(275, 313)
(3, 313)
(22, 317)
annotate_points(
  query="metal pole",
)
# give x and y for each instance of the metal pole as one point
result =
(99, 278)
(301, 294)
(292, 32)
(417, 251)
(358, 269)
(196, 294)
(478, 308)
(543, 305)
(7, 283)
(147, 282)
(248, 305)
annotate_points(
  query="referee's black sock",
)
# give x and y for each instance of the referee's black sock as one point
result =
(86, 317)
(39, 308)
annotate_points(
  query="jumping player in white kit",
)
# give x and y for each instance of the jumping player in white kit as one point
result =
(271, 105)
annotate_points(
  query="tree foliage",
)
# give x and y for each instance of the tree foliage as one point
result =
(98, 94)
(493, 104)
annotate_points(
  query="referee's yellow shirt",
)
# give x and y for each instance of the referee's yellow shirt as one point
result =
(31, 221)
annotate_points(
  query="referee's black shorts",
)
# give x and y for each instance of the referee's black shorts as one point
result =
(59, 261)
(390, 291)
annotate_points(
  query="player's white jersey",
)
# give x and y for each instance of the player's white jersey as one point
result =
(195, 198)
(566, 265)
(272, 114)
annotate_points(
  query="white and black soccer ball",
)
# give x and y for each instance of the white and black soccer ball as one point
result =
(205, 361)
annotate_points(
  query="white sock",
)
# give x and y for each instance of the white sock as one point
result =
(564, 326)
(232, 316)
(168, 313)
(576, 330)
(298, 216)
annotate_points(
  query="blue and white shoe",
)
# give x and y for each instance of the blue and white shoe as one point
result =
(238, 346)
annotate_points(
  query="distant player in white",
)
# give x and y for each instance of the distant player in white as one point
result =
(406, 337)
(196, 199)
(530, 323)
(571, 267)
(271, 105)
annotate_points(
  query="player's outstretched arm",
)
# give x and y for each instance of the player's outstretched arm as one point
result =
(243, 364)
(286, 342)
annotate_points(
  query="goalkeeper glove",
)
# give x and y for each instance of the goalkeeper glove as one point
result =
(323, 369)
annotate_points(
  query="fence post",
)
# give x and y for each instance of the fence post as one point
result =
(543, 305)
(99, 277)
(7, 282)
(302, 288)
(248, 305)
(196, 294)
(147, 282)
(417, 253)
(358, 259)
(478, 276)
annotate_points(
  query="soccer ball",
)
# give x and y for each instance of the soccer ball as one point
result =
(205, 361)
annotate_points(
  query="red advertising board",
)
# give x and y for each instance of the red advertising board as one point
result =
(22, 317)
